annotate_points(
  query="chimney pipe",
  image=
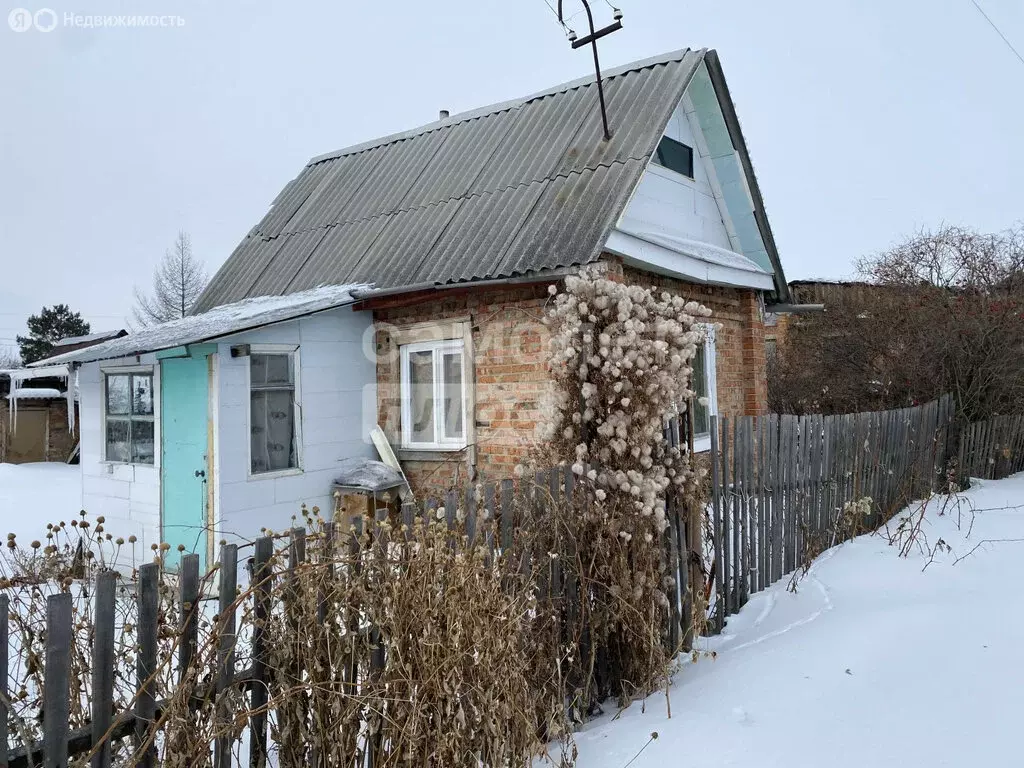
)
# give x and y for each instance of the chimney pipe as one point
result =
(445, 114)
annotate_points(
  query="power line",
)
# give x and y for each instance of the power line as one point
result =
(562, 22)
(998, 31)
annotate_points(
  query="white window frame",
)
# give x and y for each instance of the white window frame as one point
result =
(132, 371)
(274, 349)
(702, 442)
(438, 347)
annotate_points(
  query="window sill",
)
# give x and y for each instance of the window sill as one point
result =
(113, 464)
(277, 473)
(702, 444)
(429, 454)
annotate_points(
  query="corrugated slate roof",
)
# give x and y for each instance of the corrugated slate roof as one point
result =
(501, 191)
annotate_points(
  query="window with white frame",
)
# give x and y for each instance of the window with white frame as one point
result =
(705, 404)
(273, 411)
(128, 422)
(433, 390)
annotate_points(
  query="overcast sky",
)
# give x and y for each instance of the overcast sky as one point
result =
(866, 119)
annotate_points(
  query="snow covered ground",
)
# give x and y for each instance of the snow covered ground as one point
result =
(32, 495)
(877, 660)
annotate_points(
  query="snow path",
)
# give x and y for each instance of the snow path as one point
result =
(877, 660)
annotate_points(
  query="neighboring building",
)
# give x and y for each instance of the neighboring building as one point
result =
(460, 227)
(34, 408)
(73, 343)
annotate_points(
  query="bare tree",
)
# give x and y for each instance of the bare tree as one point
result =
(177, 284)
(9, 359)
(942, 312)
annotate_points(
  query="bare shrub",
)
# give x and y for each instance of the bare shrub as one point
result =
(408, 640)
(942, 312)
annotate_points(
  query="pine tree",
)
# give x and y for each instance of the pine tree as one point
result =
(47, 328)
(177, 283)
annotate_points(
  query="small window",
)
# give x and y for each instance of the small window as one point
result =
(704, 385)
(675, 156)
(128, 418)
(272, 423)
(433, 395)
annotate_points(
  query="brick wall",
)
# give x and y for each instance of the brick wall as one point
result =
(739, 343)
(510, 365)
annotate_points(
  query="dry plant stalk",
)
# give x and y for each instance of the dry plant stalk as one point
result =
(621, 361)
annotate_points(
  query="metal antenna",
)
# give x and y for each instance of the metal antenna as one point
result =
(591, 40)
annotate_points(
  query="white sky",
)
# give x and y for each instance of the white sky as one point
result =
(866, 119)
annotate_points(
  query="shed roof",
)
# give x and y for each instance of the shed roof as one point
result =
(91, 338)
(219, 322)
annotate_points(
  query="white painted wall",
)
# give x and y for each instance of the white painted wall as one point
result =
(127, 495)
(338, 396)
(668, 203)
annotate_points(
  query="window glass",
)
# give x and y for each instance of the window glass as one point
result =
(272, 428)
(118, 440)
(118, 398)
(701, 422)
(142, 395)
(421, 386)
(142, 442)
(675, 156)
(453, 395)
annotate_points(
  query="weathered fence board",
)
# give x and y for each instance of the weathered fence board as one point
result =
(780, 483)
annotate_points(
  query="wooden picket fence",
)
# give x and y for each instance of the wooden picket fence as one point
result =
(992, 449)
(491, 516)
(780, 484)
(779, 487)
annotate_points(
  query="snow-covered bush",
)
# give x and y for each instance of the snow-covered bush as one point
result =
(621, 360)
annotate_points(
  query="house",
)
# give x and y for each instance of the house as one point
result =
(402, 282)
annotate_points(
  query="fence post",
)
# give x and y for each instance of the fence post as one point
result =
(261, 613)
(727, 603)
(4, 684)
(225, 650)
(188, 596)
(716, 526)
(102, 667)
(56, 680)
(145, 668)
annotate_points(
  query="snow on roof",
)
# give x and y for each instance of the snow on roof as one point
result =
(42, 372)
(101, 336)
(219, 321)
(38, 393)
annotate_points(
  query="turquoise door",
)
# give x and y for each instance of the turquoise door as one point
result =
(184, 414)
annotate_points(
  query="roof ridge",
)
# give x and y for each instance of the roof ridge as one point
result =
(447, 200)
(503, 106)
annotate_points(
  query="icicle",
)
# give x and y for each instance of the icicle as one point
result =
(71, 382)
(12, 400)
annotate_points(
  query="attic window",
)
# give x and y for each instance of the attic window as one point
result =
(675, 156)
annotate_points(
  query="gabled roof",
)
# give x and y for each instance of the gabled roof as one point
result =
(510, 189)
